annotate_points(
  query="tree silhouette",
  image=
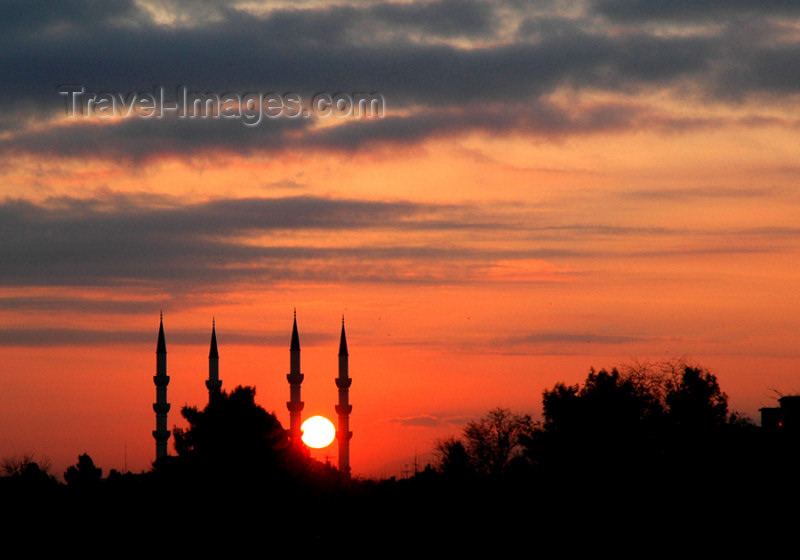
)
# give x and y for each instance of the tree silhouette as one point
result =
(607, 401)
(26, 467)
(610, 421)
(489, 444)
(454, 461)
(84, 473)
(494, 440)
(232, 436)
(26, 474)
(667, 418)
(695, 401)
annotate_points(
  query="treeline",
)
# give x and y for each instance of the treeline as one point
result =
(625, 429)
(646, 443)
(651, 419)
(231, 442)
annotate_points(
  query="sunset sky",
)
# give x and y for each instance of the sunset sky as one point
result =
(552, 186)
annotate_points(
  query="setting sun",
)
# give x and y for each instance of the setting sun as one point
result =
(318, 432)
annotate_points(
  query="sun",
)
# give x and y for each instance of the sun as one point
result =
(318, 432)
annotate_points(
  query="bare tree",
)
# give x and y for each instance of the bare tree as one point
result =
(493, 441)
(25, 465)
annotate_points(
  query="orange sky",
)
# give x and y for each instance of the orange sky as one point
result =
(613, 203)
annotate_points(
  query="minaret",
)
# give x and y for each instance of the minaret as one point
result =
(344, 408)
(213, 383)
(295, 378)
(161, 406)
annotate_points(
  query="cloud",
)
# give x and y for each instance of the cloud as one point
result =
(691, 10)
(682, 194)
(137, 140)
(67, 336)
(21, 17)
(166, 243)
(567, 343)
(572, 338)
(53, 303)
(141, 240)
(422, 421)
(432, 420)
(445, 18)
(55, 336)
(492, 66)
(134, 140)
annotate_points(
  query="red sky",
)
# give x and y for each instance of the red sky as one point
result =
(552, 187)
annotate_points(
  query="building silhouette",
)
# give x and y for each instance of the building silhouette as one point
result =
(785, 418)
(295, 404)
(344, 408)
(295, 379)
(213, 383)
(161, 406)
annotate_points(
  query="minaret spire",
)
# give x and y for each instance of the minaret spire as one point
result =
(295, 378)
(213, 384)
(344, 408)
(161, 380)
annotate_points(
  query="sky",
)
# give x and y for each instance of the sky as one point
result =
(540, 188)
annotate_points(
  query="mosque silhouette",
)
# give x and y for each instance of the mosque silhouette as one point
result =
(295, 404)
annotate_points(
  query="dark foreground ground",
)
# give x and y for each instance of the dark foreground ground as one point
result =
(637, 514)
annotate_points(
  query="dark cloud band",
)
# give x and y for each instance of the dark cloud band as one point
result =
(474, 66)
